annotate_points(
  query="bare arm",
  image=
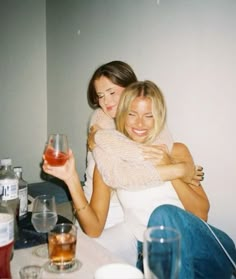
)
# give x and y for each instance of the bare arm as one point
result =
(91, 216)
(178, 166)
(193, 198)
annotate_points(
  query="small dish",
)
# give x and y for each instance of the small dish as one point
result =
(48, 267)
(118, 271)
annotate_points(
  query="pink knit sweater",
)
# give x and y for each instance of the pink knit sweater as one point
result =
(120, 160)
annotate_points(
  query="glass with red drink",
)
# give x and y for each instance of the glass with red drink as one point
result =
(56, 151)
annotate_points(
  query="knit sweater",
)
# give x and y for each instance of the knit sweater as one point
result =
(120, 160)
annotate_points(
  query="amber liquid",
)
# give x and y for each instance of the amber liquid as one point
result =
(61, 249)
(5, 257)
(55, 159)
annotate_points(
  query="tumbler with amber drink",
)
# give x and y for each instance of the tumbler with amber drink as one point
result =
(62, 248)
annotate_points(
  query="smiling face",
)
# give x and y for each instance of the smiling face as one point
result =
(108, 95)
(141, 112)
(140, 121)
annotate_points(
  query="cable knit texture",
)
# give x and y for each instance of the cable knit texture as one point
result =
(120, 160)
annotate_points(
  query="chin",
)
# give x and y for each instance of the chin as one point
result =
(139, 140)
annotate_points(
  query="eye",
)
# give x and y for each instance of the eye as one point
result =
(131, 114)
(100, 96)
(149, 116)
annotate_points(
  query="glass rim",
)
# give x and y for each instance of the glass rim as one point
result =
(57, 135)
(44, 196)
(65, 225)
(147, 234)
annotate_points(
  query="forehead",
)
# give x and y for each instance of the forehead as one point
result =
(141, 103)
(103, 84)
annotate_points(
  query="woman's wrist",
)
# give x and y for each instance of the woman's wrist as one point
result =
(73, 178)
(171, 171)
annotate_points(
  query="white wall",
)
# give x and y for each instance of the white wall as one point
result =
(186, 46)
(23, 98)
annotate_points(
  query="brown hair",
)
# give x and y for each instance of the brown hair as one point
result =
(118, 72)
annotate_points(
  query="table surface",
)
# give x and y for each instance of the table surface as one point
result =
(91, 254)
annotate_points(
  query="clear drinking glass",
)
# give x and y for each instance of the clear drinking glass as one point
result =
(44, 218)
(56, 150)
(31, 272)
(161, 253)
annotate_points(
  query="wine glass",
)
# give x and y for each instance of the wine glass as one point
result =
(56, 151)
(161, 253)
(44, 218)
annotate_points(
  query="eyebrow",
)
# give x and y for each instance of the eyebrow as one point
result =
(108, 89)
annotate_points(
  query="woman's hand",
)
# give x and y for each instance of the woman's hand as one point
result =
(91, 137)
(64, 172)
(185, 169)
(157, 154)
(198, 176)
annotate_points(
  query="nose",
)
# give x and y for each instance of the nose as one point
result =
(107, 99)
(139, 122)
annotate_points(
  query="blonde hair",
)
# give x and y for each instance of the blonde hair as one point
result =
(149, 90)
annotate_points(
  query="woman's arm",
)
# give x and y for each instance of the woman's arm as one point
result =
(91, 216)
(178, 166)
(193, 198)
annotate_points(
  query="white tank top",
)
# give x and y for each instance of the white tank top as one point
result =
(138, 205)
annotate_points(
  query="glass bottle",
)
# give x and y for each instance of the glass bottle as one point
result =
(6, 237)
(23, 193)
(9, 182)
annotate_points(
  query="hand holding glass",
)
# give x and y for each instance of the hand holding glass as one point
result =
(161, 253)
(56, 151)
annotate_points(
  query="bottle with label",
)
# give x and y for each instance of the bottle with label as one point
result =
(23, 193)
(6, 237)
(9, 183)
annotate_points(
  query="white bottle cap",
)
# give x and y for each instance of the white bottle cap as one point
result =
(17, 169)
(6, 162)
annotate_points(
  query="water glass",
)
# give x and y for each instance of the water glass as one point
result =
(44, 213)
(31, 272)
(44, 218)
(161, 253)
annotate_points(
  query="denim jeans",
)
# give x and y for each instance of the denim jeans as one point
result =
(201, 255)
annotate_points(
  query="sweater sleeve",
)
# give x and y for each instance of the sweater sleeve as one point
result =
(120, 160)
(121, 163)
(130, 175)
(102, 120)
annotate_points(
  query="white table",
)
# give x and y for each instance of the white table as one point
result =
(88, 251)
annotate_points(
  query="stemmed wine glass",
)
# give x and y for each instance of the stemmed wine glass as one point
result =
(56, 150)
(44, 218)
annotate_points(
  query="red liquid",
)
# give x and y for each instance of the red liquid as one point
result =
(55, 159)
(5, 257)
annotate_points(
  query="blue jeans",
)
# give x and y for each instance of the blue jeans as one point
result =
(201, 255)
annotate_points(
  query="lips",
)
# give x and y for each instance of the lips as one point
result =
(139, 132)
(110, 108)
